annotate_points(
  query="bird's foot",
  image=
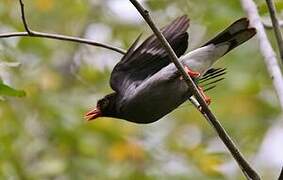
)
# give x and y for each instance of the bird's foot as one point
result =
(205, 97)
(195, 74)
(191, 73)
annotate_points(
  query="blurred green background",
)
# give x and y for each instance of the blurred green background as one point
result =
(44, 136)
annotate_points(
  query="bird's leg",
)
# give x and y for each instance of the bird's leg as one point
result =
(205, 97)
(195, 74)
(191, 73)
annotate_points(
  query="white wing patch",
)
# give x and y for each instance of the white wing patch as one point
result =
(203, 58)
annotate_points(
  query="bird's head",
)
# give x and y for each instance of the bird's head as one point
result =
(105, 107)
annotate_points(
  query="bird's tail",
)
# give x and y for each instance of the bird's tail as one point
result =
(233, 36)
(236, 34)
(203, 58)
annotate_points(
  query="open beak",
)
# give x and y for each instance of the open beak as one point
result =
(93, 114)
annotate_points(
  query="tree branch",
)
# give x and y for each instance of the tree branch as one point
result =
(281, 175)
(268, 53)
(275, 22)
(244, 165)
(268, 25)
(31, 33)
(62, 37)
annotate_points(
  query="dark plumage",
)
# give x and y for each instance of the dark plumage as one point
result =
(148, 86)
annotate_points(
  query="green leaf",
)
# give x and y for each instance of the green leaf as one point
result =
(8, 91)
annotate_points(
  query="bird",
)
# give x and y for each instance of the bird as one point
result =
(148, 86)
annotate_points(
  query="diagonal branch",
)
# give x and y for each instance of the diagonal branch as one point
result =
(276, 25)
(244, 165)
(268, 53)
(281, 175)
(31, 33)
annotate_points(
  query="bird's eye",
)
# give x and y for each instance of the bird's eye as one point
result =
(104, 103)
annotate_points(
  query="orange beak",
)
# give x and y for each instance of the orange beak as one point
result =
(93, 114)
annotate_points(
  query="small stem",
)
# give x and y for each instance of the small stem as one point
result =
(281, 175)
(31, 33)
(268, 25)
(62, 37)
(276, 25)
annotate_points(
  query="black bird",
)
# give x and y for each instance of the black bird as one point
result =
(148, 86)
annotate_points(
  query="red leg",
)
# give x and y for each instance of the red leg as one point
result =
(195, 74)
(191, 73)
(206, 98)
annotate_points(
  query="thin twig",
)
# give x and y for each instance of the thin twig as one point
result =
(268, 25)
(31, 33)
(268, 53)
(244, 165)
(281, 175)
(275, 22)
(62, 37)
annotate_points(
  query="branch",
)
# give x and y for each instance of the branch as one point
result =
(62, 37)
(281, 175)
(246, 168)
(31, 33)
(268, 25)
(275, 22)
(266, 49)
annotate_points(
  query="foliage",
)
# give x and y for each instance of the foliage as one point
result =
(8, 91)
(44, 136)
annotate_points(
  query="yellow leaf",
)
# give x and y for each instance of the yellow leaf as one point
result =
(49, 80)
(210, 165)
(126, 151)
(44, 5)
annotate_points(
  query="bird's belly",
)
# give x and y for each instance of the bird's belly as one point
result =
(155, 102)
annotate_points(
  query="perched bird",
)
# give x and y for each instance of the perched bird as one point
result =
(148, 86)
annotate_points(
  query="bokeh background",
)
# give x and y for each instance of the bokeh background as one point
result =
(44, 136)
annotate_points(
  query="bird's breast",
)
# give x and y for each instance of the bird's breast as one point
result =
(154, 99)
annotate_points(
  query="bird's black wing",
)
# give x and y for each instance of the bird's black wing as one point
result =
(147, 59)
